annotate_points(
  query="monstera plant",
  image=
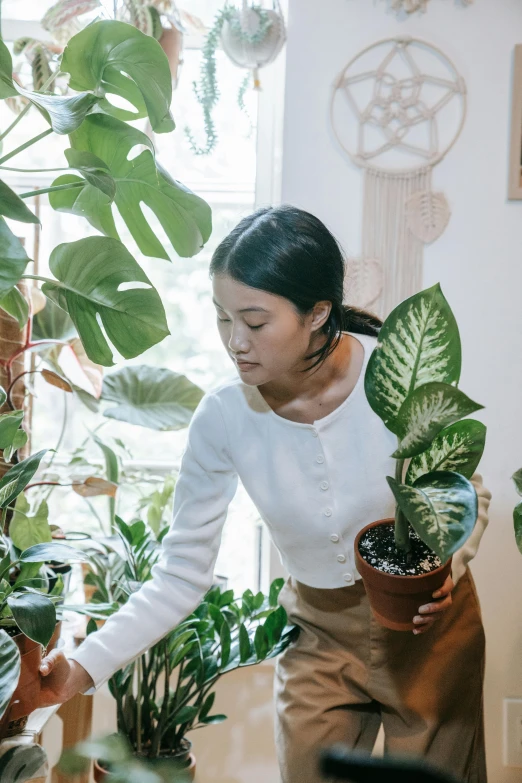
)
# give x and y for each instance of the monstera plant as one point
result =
(411, 383)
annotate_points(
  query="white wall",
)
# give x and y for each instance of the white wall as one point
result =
(478, 260)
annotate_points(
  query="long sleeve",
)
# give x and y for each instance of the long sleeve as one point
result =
(206, 484)
(468, 551)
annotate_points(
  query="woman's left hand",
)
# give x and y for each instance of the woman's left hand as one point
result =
(430, 613)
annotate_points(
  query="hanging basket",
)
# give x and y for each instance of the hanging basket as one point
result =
(239, 37)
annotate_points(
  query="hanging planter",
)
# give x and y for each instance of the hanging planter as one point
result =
(251, 37)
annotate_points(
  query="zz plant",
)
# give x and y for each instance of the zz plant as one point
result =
(411, 382)
(168, 691)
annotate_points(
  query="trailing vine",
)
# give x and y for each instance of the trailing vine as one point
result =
(207, 92)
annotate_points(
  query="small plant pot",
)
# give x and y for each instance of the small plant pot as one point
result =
(184, 757)
(395, 599)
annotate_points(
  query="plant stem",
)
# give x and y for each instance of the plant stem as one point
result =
(402, 527)
(31, 171)
(24, 146)
(52, 189)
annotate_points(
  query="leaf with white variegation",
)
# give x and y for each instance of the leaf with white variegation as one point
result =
(458, 448)
(517, 520)
(22, 763)
(441, 507)
(426, 412)
(9, 670)
(153, 397)
(91, 275)
(17, 478)
(419, 343)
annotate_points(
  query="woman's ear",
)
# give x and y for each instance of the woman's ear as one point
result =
(320, 314)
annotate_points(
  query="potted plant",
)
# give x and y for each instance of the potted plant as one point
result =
(517, 512)
(251, 37)
(411, 384)
(168, 691)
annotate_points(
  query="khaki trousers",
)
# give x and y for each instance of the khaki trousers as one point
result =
(345, 674)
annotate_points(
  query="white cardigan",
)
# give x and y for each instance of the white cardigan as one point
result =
(314, 485)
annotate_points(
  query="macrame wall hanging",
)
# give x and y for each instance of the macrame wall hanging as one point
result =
(397, 108)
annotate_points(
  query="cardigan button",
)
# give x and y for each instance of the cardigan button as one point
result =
(341, 558)
(319, 458)
(324, 485)
(328, 512)
(334, 537)
(347, 577)
(314, 433)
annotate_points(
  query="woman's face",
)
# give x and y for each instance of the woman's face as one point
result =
(264, 330)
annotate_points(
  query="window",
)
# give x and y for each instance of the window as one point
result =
(232, 180)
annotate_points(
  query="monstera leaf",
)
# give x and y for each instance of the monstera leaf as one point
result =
(185, 217)
(13, 259)
(426, 412)
(152, 397)
(457, 448)
(441, 507)
(9, 670)
(114, 57)
(90, 274)
(419, 343)
(64, 113)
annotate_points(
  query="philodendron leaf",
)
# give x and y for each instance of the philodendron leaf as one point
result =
(34, 614)
(25, 529)
(458, 448)
(21, 763)
(426, 412)
(13, 258)
(94, 169)
(91, 273)
(17, 478)
(7, 88)
(517, 478)
(152, 397)
(419, 343)
(111, 57)
(64, 113)
(517, 520)
(12, 206)
(15, 304)
(41, 553)
(9, 670)
(441, 507)
(9, 424)
(185, 217)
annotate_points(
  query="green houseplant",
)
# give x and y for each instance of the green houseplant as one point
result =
(411, 384)
(168, 691)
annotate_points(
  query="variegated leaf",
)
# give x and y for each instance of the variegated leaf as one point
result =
(441, 507)
(426, 412)
(419, 343)
(517, 478)
(458, 448)
(517, 519)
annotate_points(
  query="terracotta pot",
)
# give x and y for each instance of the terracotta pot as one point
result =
(101, 774)
(395, 599)
(171, 42)
(26, 697)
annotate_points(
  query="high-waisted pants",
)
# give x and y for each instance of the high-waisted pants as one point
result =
(346, 674)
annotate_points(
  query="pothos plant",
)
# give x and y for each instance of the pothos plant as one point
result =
(207, 91)
(411, 382)
(169, 690)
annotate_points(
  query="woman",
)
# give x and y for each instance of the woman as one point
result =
(296, 427)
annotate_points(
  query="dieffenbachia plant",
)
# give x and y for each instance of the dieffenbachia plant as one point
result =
(517, 512)
(411, 383)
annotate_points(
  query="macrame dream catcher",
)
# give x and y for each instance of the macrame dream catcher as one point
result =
(397, 108)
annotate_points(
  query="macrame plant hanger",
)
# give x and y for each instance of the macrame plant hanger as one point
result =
(401, 213)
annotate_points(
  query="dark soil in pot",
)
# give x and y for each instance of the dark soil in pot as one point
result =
(396, 589)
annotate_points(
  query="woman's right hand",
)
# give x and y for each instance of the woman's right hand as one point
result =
(61, 679)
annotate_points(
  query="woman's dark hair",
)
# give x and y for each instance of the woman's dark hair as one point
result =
(288, 252)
